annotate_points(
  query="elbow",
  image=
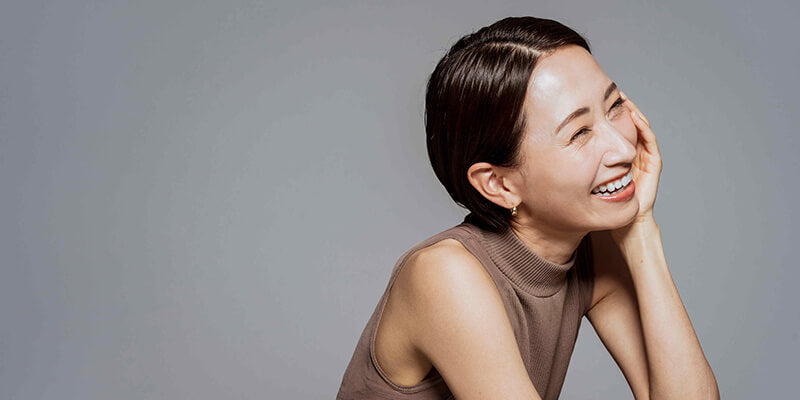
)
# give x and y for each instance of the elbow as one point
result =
(708, 390)
(713, 388)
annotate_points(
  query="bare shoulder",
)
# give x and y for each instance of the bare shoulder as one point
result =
(437, 271)
(457, 320)
(443, 267)
(415, 297)
(444, 254)
(443, 250)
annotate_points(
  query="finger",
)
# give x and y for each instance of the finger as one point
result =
(642, 123)
(650, 142)
(632, 105)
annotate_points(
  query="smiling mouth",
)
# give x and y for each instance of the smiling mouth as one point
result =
(610, 188)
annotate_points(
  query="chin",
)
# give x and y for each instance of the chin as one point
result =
(624, 218)
(629, 217)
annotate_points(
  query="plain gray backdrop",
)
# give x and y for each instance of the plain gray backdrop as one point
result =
(204, 200)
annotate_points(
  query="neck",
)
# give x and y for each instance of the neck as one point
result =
(549, 243)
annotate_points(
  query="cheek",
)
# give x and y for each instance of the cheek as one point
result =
(576, 176)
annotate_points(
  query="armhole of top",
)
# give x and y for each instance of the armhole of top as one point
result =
(463, 236)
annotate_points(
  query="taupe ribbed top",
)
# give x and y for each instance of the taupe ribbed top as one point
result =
(545, 303)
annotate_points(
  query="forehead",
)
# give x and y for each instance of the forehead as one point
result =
(567, 79)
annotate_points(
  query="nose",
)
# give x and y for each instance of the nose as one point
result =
(618, 146)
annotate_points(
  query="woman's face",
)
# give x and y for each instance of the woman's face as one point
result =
(564, 162)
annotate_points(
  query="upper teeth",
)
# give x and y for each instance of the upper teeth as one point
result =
(611, 186)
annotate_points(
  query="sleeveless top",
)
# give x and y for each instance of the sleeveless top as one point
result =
(545, 303)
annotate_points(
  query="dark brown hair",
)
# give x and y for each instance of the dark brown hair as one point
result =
(473, 105)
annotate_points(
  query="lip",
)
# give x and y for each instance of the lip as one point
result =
(623, 195)
(612, 179)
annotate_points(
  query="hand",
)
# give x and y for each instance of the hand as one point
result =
(646, 169)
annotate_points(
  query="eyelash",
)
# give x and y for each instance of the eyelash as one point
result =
(580, 132)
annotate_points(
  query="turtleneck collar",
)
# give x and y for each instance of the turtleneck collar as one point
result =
(522, 266)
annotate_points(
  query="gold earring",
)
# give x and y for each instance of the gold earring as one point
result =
(514, 211)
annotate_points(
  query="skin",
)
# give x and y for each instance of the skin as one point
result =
(636, 310)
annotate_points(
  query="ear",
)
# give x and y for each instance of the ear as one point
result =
(493, 183)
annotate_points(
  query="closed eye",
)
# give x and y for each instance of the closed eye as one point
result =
(616, 104)
(578, 133)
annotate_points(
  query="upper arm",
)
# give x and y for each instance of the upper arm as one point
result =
(614, 313)
(459, 322)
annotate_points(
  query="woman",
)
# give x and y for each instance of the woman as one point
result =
(559, 170)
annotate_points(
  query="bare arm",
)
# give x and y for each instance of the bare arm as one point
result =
(678, 369)
(614, 314)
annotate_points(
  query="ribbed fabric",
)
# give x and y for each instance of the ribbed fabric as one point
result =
(531, 273)
(545, 303)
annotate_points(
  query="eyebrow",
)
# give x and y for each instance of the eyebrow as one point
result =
(583, 110)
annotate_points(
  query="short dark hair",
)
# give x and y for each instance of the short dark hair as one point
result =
(473, 105)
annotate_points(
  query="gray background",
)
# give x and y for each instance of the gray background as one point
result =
(205, 199)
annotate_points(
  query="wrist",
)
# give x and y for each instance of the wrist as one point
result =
(642, 228)
(647, 218)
